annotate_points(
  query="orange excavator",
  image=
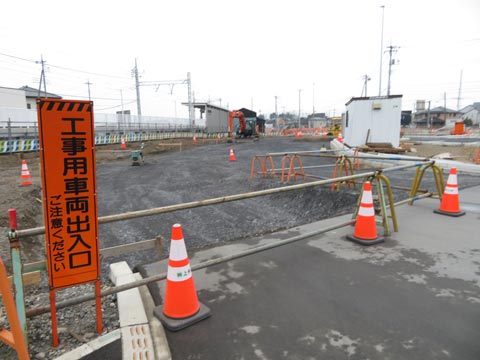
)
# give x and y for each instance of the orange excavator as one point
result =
(238, 125)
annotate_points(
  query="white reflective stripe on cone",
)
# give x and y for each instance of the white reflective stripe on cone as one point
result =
(177, 250)
(451, 190)
(367, 197)
(179, 273)
(452, 179)
(366, 211)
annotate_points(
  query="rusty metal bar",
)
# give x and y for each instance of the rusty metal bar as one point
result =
(113, 290)
(220, 200)
(116, 289)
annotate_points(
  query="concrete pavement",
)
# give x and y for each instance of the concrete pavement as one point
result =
(416, 296)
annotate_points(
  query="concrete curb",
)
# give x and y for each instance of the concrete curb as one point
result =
(141, 336)
(160, 343)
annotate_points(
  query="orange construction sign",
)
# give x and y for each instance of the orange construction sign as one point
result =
(67, 152)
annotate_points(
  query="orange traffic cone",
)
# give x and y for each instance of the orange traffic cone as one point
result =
(340, 137)
(450, 203)
(123, 144)
(232, 155)
(194, 139)
(181, 307)
(365, 232)
(26, 179)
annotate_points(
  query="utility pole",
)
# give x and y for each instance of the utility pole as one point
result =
(313, 101)
(121, 119)
(276, 112)
(299, 105)
(381, 54)
(445, 107)
(366, 78)
(428, 115)
(391, 50)
(460, 90)
(42, 77)
(191, 111)
(137, 87)
(88, 83)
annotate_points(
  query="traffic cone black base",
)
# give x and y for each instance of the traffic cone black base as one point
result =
(179, 324)
(357, 240)
(454, 214)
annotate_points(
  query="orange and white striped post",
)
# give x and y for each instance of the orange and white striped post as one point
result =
(365, 232)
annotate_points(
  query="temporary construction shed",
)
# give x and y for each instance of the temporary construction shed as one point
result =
(373, 119)
(215, 117)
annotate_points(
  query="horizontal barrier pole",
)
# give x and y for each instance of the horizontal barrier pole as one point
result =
(220, 200)
(304, 152)
(116, 289)
(113, 290)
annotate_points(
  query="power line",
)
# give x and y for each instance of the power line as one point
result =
(66, 68)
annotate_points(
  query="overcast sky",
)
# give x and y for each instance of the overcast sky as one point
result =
(243, 53)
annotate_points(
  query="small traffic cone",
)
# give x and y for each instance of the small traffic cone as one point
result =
(26, 179)
(123, 144)
(365, 232)
(232, 155)
(194, 139)
(450, 203)
(181, 307)
(340, 137)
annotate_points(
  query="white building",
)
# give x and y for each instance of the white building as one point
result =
(15, 98)
(372, 119)
(472, 112)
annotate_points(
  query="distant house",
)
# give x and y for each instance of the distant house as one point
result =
(317, 120)
(24, 97)
(437, 117)
(471, 112)
(32, 94)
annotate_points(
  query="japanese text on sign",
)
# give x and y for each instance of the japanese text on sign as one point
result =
(69, 189)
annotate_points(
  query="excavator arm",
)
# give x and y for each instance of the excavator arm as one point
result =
(238, 127)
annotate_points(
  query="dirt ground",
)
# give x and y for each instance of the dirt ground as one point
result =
(27, 199)
(465, 154)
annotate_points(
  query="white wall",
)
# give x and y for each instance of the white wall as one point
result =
(384, 123)
(13, 98)
(216, 120)
(473, 115)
